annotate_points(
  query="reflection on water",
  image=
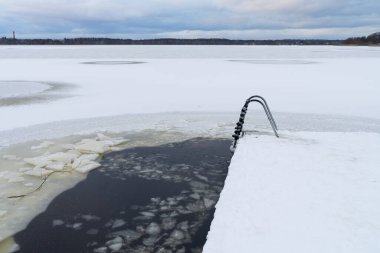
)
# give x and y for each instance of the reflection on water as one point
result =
(145, 199)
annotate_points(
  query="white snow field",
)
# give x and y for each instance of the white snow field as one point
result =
(325, 80)
(315, 189)
(18, 89)
(304, 192)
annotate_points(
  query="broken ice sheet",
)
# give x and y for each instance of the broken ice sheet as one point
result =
(118, 223)
(44, 144)
(128, 234)
(88, 167)
(38, 172)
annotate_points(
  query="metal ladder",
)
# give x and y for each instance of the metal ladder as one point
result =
(239, 125)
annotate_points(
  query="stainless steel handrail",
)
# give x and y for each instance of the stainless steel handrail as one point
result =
(239, 125)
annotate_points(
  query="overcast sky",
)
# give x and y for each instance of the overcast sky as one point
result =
(234, 19)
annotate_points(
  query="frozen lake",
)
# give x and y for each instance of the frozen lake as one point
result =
(309, 80)
(19, 89)
(154, 95)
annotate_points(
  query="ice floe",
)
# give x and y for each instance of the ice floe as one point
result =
(88, 167)
(44, 144)
(118, 223)
(81, 156)
(38, 172)
(22, 173)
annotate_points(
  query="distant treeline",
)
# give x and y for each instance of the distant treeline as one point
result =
(109, 41)
(373, 39)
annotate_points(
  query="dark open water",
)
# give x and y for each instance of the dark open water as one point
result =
(146, 199)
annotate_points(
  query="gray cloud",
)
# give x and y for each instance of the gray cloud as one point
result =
(248, 19)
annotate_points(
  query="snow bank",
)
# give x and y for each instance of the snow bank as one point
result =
(304, 192)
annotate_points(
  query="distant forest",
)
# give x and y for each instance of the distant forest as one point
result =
(373, 39)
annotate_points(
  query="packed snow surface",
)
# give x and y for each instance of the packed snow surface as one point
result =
(304, 192)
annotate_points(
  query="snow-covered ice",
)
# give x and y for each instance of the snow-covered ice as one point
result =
(324, 99)
(18, 89)
(303, 192)
(342, 80)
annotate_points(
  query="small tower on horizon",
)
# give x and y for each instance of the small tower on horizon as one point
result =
(14, 35)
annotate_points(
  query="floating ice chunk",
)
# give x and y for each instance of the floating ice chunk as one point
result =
(77, 226)
(195, 207)
(57, 166)
(57, 223)
(163, 250)
(39, 161)
(24, 169)
(117, 239)
(84, 159)
(208, 202)
(100, 250)
(89, 217)
(198, 185)
(118, 223)
(184, 225)
(118, 141)
(181, 250)
(153, 229)
(168, 223)
(16, 179)
(202, 178)
(129, 235)
(63, 157)
(38, 172)
(3, 212)
(155, 200)
(148, 214)
(177, 234)
(11, 157)
(88, 167)
(44, 144)
(91, 157)
(88, 146)
(101, 137)
(150, 241)
(116, 246)
(195, 196)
